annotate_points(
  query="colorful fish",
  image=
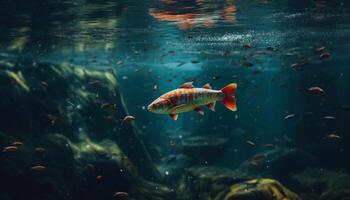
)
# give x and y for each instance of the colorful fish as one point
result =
(187, 98)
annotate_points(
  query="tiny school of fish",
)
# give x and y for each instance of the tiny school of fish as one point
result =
(188, 98)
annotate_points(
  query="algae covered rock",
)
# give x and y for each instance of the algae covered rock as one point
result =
(278, 163)
(257, 189)
(66, 123)
(206, 182)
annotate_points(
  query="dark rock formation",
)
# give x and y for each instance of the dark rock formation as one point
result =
(323, 184)
(278, 163)
(62, 136)
(204, 148)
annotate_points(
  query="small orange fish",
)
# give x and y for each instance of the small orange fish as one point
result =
(259, 156)
(269, 146)
(94, 82)
(128, 119)
(325, 55)
(250, 143)
(38, 168)
(43, 83)
(333, 136)
(320, 50)
(107, 105)
(316, 90)
(253, 163)
(10, 149)
(187, 98)
(121, 195)
(289, 116)
(17, 143)
(40, 149)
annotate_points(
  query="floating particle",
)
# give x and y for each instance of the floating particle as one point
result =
(216, 78)
(38, 168)
(10, 149)
(155, 87)
(290, 116)
(250, 143)
(98, 177)
(120, 62)
(124, 77)
(128, 119)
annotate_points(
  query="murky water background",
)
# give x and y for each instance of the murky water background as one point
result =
(269, 48)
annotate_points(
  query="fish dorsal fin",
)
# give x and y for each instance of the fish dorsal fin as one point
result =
(187, 85)
(211, 106)
(206, 86)
(173, 116)
(199, 111)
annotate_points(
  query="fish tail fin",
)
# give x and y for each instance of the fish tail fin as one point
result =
(229, 100)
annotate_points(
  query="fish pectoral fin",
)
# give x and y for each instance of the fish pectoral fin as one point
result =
(206, 86)
(211, 106)
(173, 116)
(187, 85)
(199, 111)
(175, 108)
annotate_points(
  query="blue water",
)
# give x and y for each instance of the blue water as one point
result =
(154, 46)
